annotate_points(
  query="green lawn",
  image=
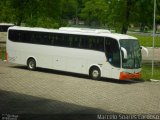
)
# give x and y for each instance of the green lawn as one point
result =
(2, 54)
(146, 40)
(147, 72)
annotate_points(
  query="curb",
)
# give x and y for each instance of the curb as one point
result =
(154, 80)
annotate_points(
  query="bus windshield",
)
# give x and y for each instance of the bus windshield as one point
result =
(134, 56)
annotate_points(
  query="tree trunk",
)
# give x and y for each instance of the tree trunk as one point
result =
(19, 21)
(124, 29)
(126, 17)
(142, 27)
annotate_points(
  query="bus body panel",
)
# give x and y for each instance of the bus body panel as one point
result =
(58, 58)
(115, 72)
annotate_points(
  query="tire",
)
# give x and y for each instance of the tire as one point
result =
(31, 64)
(95, 73)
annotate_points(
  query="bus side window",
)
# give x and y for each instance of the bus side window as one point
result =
(61, 41)
(24, 37)
(70, 40)
(33, 38)
(18, 36)
(41, 38)
(93, 43)
(84, 42)
(51, 39)
(100, 44)
(90, 42)
(76, 42)
(12, 36)
(46, 40)
(66, 41)
(56, 40)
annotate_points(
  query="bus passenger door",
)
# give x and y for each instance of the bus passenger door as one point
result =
(114, 62)
(112, 51)
(115, 72)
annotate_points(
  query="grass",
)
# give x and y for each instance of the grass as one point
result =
(2, 53)
(146, 40)
(147, 72)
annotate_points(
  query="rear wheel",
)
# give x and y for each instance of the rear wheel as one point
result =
(31, 64)
(95, 73)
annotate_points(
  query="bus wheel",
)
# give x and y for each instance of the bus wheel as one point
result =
(95, 73)
(31, 64)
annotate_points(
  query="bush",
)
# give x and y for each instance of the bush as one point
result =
(43, 22)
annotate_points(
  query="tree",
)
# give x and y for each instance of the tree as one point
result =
(94, 12)
(127, 13)
(19, 9)
(143, 14)
(42, 13)
(6, 14)
(157, 15)
(119, 14)
(115, 14)
(69, 8)
(48, 13)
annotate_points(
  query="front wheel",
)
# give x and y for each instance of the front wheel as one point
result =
(31, 64)
(95, 73)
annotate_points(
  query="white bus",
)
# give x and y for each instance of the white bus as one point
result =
(97, 53)
(4, 26)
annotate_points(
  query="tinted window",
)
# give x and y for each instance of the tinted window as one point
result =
(25, 37)
(14, 35)
(95, 43)
(57, 39)
(4, 28)
(29, 37)
(11, 35)
(112, 51)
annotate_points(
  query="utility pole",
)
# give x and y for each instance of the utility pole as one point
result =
(154, 23)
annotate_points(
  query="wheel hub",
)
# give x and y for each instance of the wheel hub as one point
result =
(95, 73)
(31, 64)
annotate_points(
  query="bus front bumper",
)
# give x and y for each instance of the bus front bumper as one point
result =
(129, 76)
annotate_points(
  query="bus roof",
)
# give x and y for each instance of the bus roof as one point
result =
(77, 31)
(6, 24)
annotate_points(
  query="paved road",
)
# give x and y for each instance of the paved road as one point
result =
(47, 91)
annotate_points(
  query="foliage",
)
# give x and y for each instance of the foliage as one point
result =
(113, 14)
(143, 14)
(94, 11)
(69, 9)
(43, 13)
(119, 14)
(5, 13)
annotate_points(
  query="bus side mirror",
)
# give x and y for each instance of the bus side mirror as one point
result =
(124, 52)
(145, 49)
